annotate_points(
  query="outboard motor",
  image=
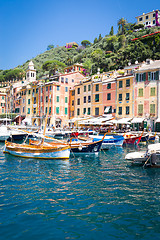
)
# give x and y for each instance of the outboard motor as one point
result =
(153, 159)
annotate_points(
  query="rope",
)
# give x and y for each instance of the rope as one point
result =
(147, 161)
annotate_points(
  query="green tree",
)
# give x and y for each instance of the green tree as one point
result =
(50, 47)
(112, 31)
(121, 25)
(88, 65)
(86, 43)
(95, 40)
(53, 66)
(100, 37)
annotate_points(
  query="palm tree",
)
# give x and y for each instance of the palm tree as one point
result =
(121, 24)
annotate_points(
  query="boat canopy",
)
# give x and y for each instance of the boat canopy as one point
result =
(137, 120)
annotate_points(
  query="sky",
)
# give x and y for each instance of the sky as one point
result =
(27, 27)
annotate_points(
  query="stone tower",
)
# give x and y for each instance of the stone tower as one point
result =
(31, 72)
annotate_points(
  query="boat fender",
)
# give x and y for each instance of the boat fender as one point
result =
(80, 148)
(153, 158)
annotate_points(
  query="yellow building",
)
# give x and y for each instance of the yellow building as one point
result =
(124, 97)
(149, 19)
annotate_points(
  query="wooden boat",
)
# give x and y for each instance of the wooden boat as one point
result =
(133, 139)
(151, 157)
(148, 137)
(40, 151)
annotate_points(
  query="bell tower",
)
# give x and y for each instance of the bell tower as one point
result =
(31, 72)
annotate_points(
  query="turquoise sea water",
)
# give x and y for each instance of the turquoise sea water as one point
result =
(85, 197)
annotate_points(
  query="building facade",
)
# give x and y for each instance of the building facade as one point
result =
(150, 19)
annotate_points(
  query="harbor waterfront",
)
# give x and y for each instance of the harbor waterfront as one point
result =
(89, 196)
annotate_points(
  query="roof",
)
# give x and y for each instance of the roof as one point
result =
(153, 65)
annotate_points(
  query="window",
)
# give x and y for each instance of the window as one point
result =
(89, 99)
(152, 108)
(72, 102)
(36, 91)
(120, 97)
(41, 99)
(127, 110)
(89, 88)
(66, 81)
(23, 109)
(128, 83)
(57, 98)
(140, 109)
(154, 21)
(78, 111)
(66, 111)
(50, 88)
(2, 97)
(66, 100)
(34, 100)
(46, 110)
(34, 110)
(109, 86)
(49, 110)
(120, 111)
(78, 91)
(84, 88)
(73, 92)
(146, 23)
(78, 101)
(28, 111)
(66, 89)
(109, 96)
(120, 84)
(127, 96)
(147, 17)
(140, 92)
(140, 19)
(154, 14)
(97, 98)
(85, 99)
(57, 110)
(152, 93)
(72, 80)
(89, 111)
(96, 111)
(72, 113)
(84, 110)
(46, 99)
(97, 87)
(29, 101)
(58, 88)
(62, 80)
(46, 89)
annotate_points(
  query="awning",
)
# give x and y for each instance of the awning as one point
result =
(137, 120)
(124, 121)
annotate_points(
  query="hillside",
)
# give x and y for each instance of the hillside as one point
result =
(110, 52)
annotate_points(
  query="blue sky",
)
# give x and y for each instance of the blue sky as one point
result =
(28, 27)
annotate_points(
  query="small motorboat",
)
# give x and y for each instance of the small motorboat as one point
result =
(109, 140)
(149, 157)
(4, 133)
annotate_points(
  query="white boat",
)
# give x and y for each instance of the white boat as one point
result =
(109, 140)
(4, 133)
(150, 156)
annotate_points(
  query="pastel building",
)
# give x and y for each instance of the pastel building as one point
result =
(109, 94)
(149, 19)
(97, 95)
(2, 102)
(147, 91)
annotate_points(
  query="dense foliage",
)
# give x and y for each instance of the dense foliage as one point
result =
(107, 53)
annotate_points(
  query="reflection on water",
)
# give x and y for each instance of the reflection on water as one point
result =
(86, 197)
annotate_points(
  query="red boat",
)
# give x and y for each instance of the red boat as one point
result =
(132, 138)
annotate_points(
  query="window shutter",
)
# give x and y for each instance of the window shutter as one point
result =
(149, 76)
(137, 77)
(157, 75)
(144, 76)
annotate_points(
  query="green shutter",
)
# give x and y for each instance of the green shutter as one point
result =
(157, 75)
(144, 76)
(153, 91)
(152, 108)
(137, 77)
(149, 76)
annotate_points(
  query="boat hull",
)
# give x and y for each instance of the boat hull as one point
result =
(37, 152)
(92, 147)
(110, 141)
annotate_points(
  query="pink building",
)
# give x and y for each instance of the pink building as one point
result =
(109, 96)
